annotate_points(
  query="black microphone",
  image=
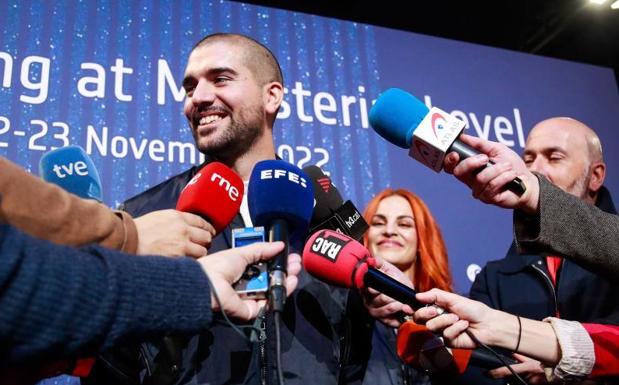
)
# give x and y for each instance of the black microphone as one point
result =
(330, 210)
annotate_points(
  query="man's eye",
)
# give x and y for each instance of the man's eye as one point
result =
(221, 79)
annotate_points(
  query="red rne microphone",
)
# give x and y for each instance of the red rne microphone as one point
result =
(341, 261)
(214, 193)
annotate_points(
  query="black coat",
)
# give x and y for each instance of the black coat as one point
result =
(315, 332)
(520, 284)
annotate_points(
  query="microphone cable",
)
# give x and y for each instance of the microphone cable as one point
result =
(277, 316)
(239, 329)
(497, 355)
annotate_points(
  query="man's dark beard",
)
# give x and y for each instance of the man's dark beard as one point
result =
(238, 138)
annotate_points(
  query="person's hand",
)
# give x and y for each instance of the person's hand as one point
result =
(528, 368)
(462, 314)
(226, 267)
(488, 185)
(173, 233)
(384, 308)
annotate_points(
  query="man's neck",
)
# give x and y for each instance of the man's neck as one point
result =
(262, 149)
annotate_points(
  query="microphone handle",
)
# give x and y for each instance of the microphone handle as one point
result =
(392, 288)
(516, 186)
(278, 231)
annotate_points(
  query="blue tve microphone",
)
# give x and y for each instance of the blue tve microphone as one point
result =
(428, 133)
(280, 197)
(73, 170)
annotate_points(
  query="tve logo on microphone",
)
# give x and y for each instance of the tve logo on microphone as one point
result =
(79, 168)
(279, 173)
(328, 247)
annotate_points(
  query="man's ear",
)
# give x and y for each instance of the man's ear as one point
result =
(273, 96)
(598, 173)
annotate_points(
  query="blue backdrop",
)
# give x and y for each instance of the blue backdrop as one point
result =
(106, 75)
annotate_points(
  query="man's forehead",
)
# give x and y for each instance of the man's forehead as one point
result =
(215, 54)
(561, 137)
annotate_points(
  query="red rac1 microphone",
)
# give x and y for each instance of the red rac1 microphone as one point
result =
(215, 193)
(341, 261)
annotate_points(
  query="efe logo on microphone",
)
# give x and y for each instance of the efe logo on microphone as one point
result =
(278, 173)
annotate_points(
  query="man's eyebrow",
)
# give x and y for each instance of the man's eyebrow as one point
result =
(189, 79)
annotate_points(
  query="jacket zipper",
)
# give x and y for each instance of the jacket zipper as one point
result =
(550, 285)
(262, 351)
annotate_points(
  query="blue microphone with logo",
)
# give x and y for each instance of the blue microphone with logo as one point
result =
(73, 170)
(428, 133)
(280, 197)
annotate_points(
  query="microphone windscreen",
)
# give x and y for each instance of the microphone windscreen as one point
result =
(73, 170)
(336, 259)
(395, 115)
(327, 199)
(214, 193)
(280, 190)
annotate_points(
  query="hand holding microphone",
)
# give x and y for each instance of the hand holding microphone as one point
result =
(463, 314)
(430, 134)
(382, 307)
(488, 185)
(226, 267)
(535, 339)
(173, 234)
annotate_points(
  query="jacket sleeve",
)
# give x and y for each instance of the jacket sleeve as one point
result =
(606, 344)
(46, 211)
(567, 226)
(59, 301)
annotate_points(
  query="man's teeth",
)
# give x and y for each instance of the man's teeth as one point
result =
(209, 119)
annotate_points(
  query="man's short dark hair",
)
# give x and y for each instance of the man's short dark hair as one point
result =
(258, 58)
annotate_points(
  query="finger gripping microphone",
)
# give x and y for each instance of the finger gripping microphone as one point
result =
(342, 261)
(330, 210)
(215, 193)
(429, 134)
(280, 198)
(73, 170)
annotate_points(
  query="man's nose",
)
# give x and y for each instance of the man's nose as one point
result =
(203, 93)
(538, 165)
